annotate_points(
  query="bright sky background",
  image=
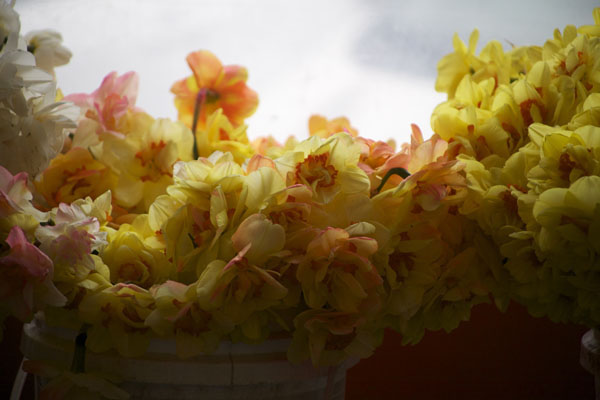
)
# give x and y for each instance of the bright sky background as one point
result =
(373, 61)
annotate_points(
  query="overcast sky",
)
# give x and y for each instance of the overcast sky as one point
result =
(373, 61)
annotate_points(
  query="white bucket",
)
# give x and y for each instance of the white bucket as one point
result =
(234, 371)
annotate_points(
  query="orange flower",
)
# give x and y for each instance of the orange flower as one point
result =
(215, 86)
(322, 127)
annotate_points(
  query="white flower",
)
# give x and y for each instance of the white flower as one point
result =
(10, 25)
(32, 124)
(46, 46)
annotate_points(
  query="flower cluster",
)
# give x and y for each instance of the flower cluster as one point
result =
(317, 238)
(142, 227)
(32, 123)
(526, 125)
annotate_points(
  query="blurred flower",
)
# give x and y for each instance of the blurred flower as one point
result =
(322, 127)
(214, 86)
(10, 26)
(46, 46)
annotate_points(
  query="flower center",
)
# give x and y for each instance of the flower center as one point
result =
(316, 172)
(149, 159)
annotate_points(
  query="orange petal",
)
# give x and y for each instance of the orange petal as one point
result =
(206, 67)
(239, 103)
(186, 88)
(232, 75)
(316, 123)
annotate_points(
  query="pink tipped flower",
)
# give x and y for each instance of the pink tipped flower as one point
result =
(108, 104)
(72, 239)
(26, 278)
(14, 194)
(423, 152)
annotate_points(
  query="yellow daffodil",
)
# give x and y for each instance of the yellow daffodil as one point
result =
(337, 271)
(327, 166)
(330, 337)
(144, 161)
(116, 315)
(74, 175)
(248, 282)
(220, 134)
(131, 261)
(177, 313)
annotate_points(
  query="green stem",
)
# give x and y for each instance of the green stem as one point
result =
(200, 98)
(78, 363)
(394, 171)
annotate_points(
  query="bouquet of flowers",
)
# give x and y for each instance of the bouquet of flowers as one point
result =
(129, 227)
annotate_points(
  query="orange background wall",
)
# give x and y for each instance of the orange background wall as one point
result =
(493, 356)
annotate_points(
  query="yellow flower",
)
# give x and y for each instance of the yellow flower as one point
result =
(266, 145)
(592, 30)
(589, 115)
(566, 216)
(117, 316)
(330, 337)
(454, 66)
(73, 176)
(269, 147)
(327, 166)
(178, 314)
(292, 209)
(130, 260)
(220, 134)
(336, 271)
(492, 63)
(195, 180)
(565, 156)
(76, 286)
(248, 283)
(322, 127)
(144, 161)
